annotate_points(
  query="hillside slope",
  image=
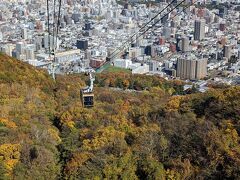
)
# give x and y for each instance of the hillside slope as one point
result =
(28, 139)
(144, 133)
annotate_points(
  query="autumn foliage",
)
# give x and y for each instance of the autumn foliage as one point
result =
(141, 127)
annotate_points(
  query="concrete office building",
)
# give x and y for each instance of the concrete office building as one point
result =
(24, 33)
(82, 44)
(7, 49)
(20, 47)
(30, 53)
(178, 42)
(190, 67)
(166, 32)
(38, 42)
(45, 40)
(122, 63)
(1, 36)
(152, 65)
(134, 52)
(199, 29)
(185, 44)
(201, 68)
(227, 51)
(68, 56)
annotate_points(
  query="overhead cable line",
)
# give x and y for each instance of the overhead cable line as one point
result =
(54, 28)
(122, 47)
(57, 26)
(48, 22)
(187, 6)
(144, 26)
(59, 14)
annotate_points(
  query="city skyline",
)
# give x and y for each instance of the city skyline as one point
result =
(99, 28)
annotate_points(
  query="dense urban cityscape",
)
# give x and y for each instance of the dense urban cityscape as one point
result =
(200, 42)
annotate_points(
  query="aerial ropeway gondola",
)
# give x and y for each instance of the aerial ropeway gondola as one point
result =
(87, 95)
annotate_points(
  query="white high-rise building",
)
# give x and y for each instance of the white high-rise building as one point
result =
(24, 33)
(20, 46)
(1, 36)
(199, 29)
(46, 41)
(227, 51)
(30, 54)
(185, 44)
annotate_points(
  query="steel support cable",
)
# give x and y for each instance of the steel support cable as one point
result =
(160, 20)
(58, 19)
(59, 14)
(54, 28)
(144, 25)
(165, 15)
(48, 21)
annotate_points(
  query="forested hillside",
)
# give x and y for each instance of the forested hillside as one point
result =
(141, 127)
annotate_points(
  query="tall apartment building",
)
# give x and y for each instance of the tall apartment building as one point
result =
(166, 32)
(30, 53)
(227, 51)
(199, 29)
(1, 36)
(189, 67)
(20, 47)
(24, 33)
(53, 40)
(185, 44)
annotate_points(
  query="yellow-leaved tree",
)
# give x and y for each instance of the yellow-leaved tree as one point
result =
(9, 155)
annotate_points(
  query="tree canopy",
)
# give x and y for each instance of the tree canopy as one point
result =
(141, 127)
